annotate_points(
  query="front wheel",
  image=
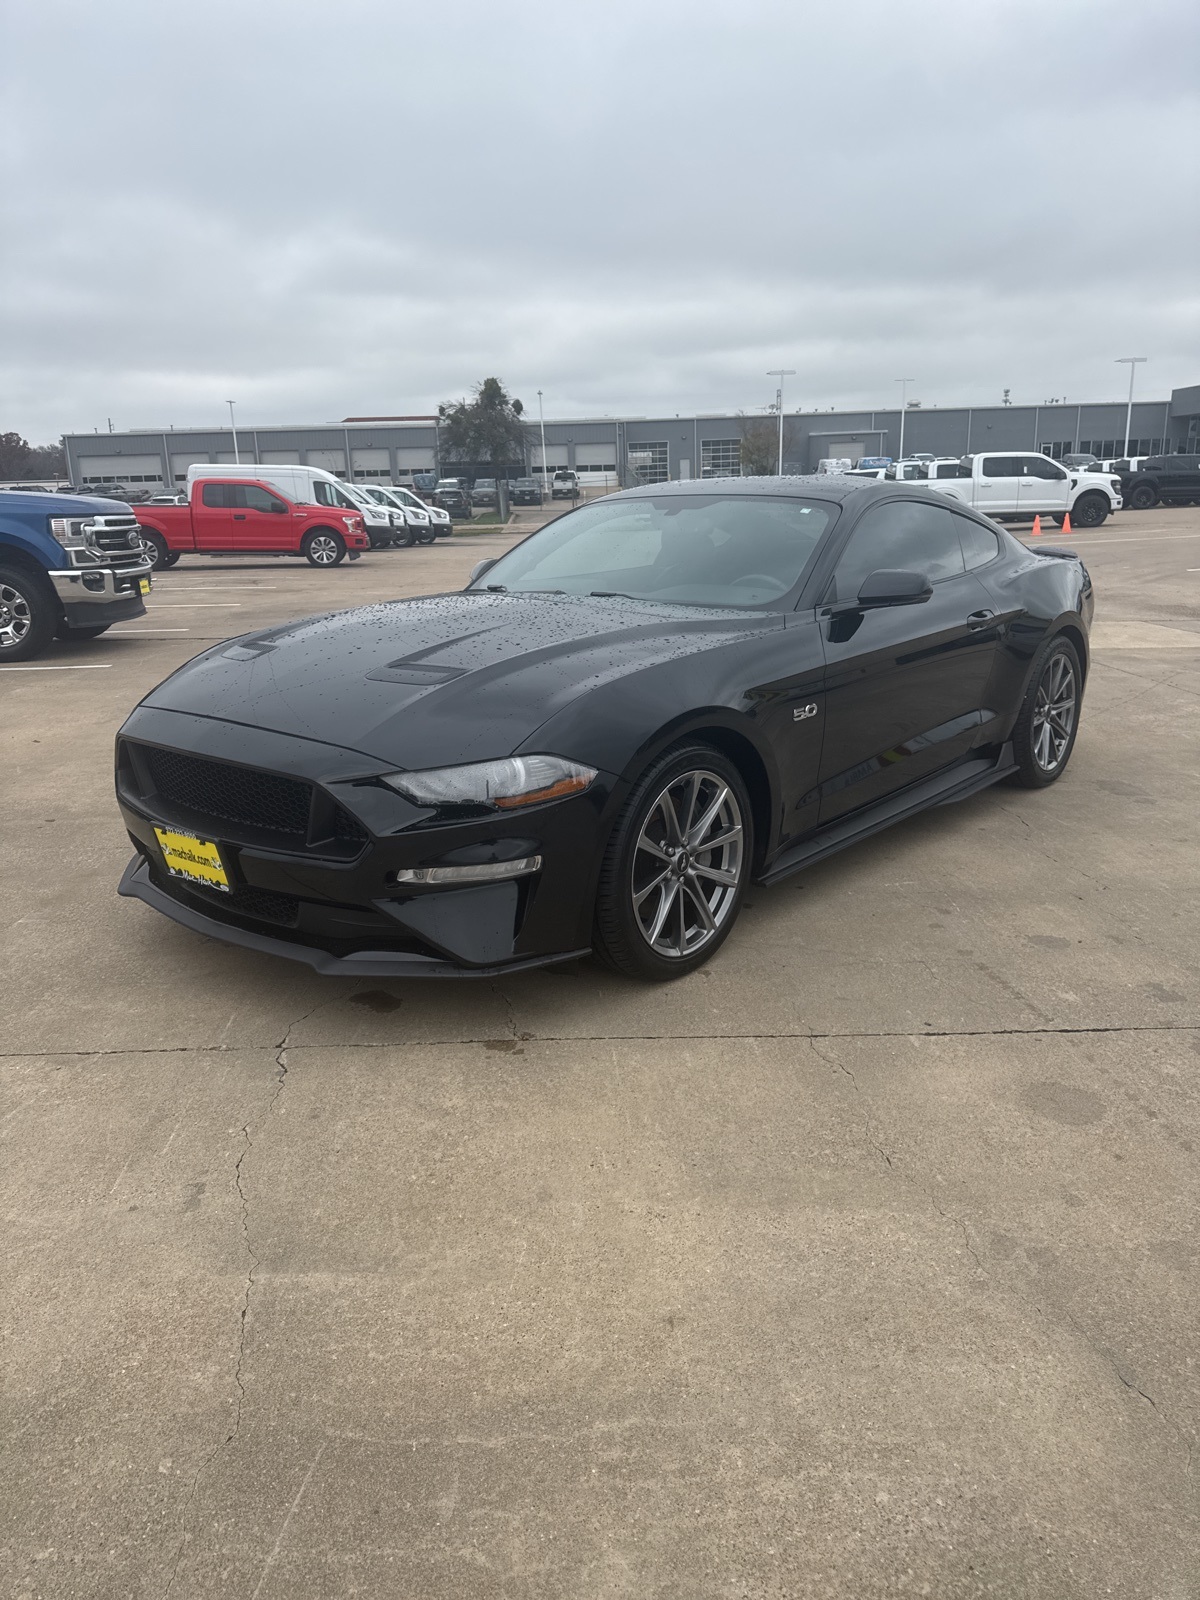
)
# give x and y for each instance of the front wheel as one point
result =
(1089, 511)
(676, 866)
(1044, 735)
(323, 548)
(27, 615)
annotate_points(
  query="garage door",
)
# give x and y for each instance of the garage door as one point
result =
(180, 464)
(120, 469)
(596, 465)
(556, 456)
(330, 460)
(371, 466)
(281, 458)
(410, 458)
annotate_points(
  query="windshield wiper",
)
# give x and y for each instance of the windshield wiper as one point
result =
(496, 588)
(611, 594)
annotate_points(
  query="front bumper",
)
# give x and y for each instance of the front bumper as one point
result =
(337, 907)
(91, 595)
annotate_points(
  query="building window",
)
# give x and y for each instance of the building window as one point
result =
(720, 458)
(648, 462)
(1058, 449)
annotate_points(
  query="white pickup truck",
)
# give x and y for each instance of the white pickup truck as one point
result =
(1020, 484)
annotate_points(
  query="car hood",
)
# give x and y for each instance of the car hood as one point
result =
(445, 678)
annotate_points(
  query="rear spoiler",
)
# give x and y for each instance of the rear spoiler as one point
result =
(1054, 550)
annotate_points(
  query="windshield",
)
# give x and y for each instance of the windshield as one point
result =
(701, 549)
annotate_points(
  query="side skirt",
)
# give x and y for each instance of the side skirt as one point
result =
(956, 783)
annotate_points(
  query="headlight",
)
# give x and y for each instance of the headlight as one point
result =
(499, 785)
(69, 531)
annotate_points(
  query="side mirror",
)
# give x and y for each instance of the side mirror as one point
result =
(886, 588)
(480, 567)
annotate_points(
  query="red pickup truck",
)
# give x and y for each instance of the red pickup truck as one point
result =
(248, 518)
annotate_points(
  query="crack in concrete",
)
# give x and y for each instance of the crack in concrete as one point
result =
(867, 1135)
(281, 1064)
(621, 1038)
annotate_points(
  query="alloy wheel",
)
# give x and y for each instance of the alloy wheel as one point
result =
(1054, 712)
(687, 864)
(16, 618)
(324, 550)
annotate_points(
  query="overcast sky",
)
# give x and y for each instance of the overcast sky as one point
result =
(322, 210)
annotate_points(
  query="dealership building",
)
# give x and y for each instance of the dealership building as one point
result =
(610, 451)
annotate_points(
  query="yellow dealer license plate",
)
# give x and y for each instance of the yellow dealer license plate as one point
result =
(144, 585)
(186, 856)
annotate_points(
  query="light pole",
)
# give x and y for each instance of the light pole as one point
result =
(542, 426)
(1132, 362)
(904, 383)
(781, 373)
(233, 430)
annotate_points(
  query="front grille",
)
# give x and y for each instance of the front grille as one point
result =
(119, 539)
(232, 794)
(294, 812)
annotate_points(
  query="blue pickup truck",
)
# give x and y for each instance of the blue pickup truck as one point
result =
(70, 566)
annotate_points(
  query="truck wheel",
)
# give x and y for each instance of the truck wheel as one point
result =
(1143, 497)
(408, 538)
(427, 538)
(324, 548)
(27, 616)
(154, 548)
(69, 635)
(1089, 511)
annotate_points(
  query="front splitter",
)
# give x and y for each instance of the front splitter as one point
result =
(136, 885)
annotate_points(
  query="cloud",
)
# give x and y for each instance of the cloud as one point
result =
(326, 211)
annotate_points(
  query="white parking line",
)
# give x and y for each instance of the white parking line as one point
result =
(196, 605)
(1076, 538)
(75, 666)
(136, 633)
(220, 588)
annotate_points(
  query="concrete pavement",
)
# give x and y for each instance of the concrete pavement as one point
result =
(861, 1263)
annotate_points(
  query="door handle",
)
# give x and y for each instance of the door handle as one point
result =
(239, 516)
(979, 619)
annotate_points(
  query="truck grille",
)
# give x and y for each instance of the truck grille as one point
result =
(216, 792)
(118, 537)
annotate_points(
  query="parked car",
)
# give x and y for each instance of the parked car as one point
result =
(417, 528)
(439, 520)
(311, 486)
(525, 492)
(70, 566)
(242, 517)
(623, 722)
(1171, 480)
(1024, 485)
(564, 486)
(453, 498)
(1079, 462)
(485, 493)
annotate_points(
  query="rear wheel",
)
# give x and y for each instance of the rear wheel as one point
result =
(27, 615)
(676, 866)
(1089, 511)
(1143, 497)
(323, 548)
(1049, 720)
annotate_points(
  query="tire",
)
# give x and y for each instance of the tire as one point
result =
(155, 548)
(28, 615)
(323, 547)
(1143, 497)
(649, 923)
(427, 538)
(1043, 745)
(69, 635)
(408, 538)
(1089, 511)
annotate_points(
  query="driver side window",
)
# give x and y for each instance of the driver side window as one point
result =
(905, 536)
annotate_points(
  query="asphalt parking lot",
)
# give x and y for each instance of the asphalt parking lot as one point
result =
(861, 1263)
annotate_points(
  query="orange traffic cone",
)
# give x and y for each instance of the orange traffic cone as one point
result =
(1037, 527)
(1067, 524)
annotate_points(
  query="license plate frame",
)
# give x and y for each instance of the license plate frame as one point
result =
(192, 858)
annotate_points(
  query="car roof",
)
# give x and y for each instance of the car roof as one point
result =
(814, 486)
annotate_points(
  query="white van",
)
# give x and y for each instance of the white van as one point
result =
(311, 486)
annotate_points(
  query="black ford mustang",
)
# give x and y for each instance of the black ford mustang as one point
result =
(618, 725)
